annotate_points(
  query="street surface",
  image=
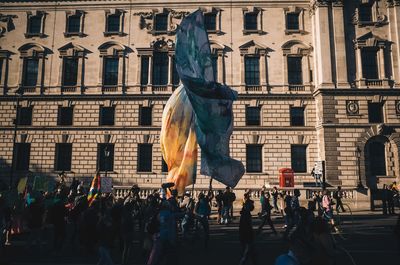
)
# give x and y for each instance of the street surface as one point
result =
(367, 237)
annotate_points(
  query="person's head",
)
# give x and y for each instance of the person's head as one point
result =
(325, 192)
(227, 189)
(296, 192)
(339, 187)
(200, 196)
(174, 193)
(220, 192)
(135, 189)
(275, 189)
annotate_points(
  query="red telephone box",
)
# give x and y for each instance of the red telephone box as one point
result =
(286, 177)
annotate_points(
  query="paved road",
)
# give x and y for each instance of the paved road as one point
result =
(368, 238)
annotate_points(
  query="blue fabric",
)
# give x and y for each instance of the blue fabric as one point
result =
(211, 101)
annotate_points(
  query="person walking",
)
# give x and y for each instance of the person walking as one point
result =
(384, 199)
(202, 211)
(338, 196)
(265, 213)
(275, 194)
(219, 202)
(390, 199)
(246, 234)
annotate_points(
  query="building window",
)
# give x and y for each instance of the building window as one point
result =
(63, 157)
(144, 71)
(250, 21)
(253, 115)
(1, 69)
(161, 22)
(375, 112)
(25, 116)
(22, 156)
(110, 77)
(292, 21)
(107, 116)
(35, 24)
(369, 63)
(145, 157)
(74, 23)
(253, 158)
(160, 68)
(252, 70)
(145, 116)
(296, 116)
(164, 166)
(70, 71)
(299, 158)
(113, 23)
(65, 116)
(105, 157)
(365, 13)
(214, 61)
(30, 72)
(377, 159)
(295, 73)
(210, 21)
(175, 75)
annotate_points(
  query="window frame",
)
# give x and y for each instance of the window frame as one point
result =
(369, 52)
(102, 119)
(65, 165)
(157, 24)
(213, 16)
(25, 73)
(293, 164)
(66, 69)
(60, 120)
(292, 117)
(251, 169)
(118, 13)
(40, 15)
(288, 28)
(372, 107)
(290, 70)
(25, 115)
(248, 74)
(148, 166)
(253, 122)
(103, 165)
(106, 62)
(160, 71)
(18, 164)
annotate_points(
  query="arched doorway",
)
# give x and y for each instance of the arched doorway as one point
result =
(375, 159)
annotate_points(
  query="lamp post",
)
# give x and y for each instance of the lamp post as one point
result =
(106, 155)
(358, 155)
(16, 121)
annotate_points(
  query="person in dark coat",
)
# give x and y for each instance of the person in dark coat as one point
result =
(265, 213)
(246, 234)
(59, 213)
(384, 199)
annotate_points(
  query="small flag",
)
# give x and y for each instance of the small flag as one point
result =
(94, 189)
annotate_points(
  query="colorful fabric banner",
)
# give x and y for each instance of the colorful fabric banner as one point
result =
(200, 105)
(95, 189)
(40, 183)
(22, 185)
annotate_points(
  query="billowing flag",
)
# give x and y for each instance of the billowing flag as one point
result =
(95, 189)
(22, 185)
(201, 105)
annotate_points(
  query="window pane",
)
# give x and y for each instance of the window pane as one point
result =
(214, 60)
(369, 63)
(105, 154)
(253, 158)
(110, 71)
(365, 13)
(160, 68)
(299, 158)
(210, 21)
(144, 71)
(164, 166)
(253, 115)
(145, 157)
(252, 70)
(107, 115)
(35, 24)
(377, 158)
(65, 115)
(175, 75)
(74, 23)
(145, 116)
(113, 23)
(375, 114)
(250, 21)
(63, 157)
(30, 74)
(24, 116)
(295, 74)
(1, 69)
(22, 155)
(70, 71)
(296, 116)
(161, 22)
(292, 21)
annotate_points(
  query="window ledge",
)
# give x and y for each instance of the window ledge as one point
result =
(252, 31)
(294, 31)
(160, 32)
(71, 34)
(31, 35)
(215, 31)
(114, 33)
(146, 172)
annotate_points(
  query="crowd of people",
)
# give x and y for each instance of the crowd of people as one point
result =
(163, 219)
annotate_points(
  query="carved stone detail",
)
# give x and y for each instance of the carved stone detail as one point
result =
(147, 19)
(397, 106)
(352, 107)
(6, 24)
(392, 3)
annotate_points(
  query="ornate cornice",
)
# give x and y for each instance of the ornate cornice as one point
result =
(6, 24)
(392, 3)
(147, 19)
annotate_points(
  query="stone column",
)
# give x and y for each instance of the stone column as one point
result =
(169, 70)
(263, 70)
(340, 45)
(322, 38)
(394, 32)
(150, 75)
(359, 74)
(381, 62)
(120, 70)
(220, 68)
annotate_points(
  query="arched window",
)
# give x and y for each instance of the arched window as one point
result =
(377, 158)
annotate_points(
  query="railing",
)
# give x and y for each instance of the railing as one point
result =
(253, 88)
(162, 88)
(110, 88)
(29, 89)
(68, 89)
(373, 82)
(297, 88)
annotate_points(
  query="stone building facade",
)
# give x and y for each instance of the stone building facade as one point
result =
(317, 81)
